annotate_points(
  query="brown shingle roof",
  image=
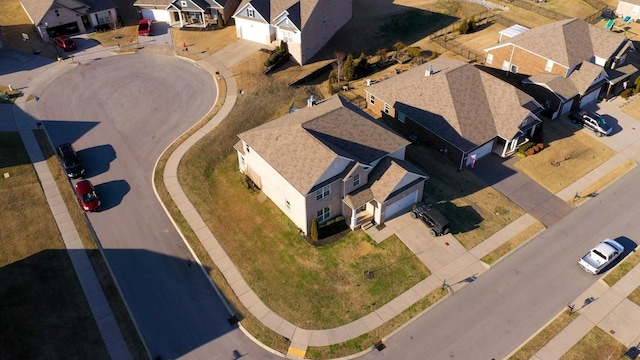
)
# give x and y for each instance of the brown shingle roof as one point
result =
(459, 102)
(583, 78)
(569, 42)
(300, 146)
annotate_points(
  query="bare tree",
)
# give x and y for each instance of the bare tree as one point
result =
(340, 56)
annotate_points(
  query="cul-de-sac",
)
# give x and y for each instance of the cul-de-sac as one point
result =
(320, 179)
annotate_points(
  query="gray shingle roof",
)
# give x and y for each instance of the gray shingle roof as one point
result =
(569, 42)
(37, 9)
(459, 102)
(299, 10)
(300, 146)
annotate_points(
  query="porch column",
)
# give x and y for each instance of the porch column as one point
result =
(204, 21)
(354, 218)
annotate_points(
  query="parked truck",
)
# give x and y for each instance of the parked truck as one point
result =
(601, 256)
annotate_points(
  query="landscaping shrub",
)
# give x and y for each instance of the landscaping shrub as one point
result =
(626, 93)
(530, 151)
(348, 69)
(399, 46)
(332, 227)
(414, 51)
(280, 52)
(434, 55)
(362, 68)
(313, 234)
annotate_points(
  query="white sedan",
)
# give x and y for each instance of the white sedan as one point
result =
(601, 256)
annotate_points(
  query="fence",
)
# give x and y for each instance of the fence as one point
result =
(441, 36)
(597, 15)
(531, 6)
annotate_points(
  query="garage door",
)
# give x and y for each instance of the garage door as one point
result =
(589, 98)
(157, 15)
(253, 31)
(479, 153)
(403, 204)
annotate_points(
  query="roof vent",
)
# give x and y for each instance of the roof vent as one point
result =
(311, 101)
(429, 71)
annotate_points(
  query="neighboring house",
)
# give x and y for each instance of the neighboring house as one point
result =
(188, 12)
(330, 159)
(305, 25)
(456, 108)
(630, 8)
(65, 17)
(576, 61)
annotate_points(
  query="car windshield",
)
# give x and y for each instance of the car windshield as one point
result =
(89, 197)
(143, 26)
(601, 121)
(599, 254)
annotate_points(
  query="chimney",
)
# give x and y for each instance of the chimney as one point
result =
(429, 71)
(311, 101)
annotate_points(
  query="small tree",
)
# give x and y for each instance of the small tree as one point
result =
(382, 53)
(313, 234)
(399, 46)
(348, 70)
(464, 27)
(338, 64)
(362, 68)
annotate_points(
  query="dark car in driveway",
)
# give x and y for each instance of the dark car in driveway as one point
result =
(70, 161)
(65, 43)
(87, 196)
(591, 121)
(432, 218)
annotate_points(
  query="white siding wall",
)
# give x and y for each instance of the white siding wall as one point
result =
(278, 189)
(52, 20)
(253, 31)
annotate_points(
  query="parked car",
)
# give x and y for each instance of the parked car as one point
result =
(65, 43)
(591, 121)
(432, 217)
(601, 256)
(87, 196)
(70, 161)
(144, 27)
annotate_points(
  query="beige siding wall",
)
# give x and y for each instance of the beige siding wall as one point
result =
(626, 9)
(348, 183)
(325, 20)
(277, 188)
(379, 106)
(333, 201)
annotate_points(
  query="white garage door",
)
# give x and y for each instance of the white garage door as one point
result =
(253, 31)
(403, 204)
(589, 98)
(157, 15)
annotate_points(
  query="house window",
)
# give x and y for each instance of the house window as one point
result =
(183, 3)
(247, 148)
(356, 180)
(386, 108)
(324, 214)
(489, 59)
(250, 13)
(57, 12)
(401, 117)
(287, 36)
(549, 66)
(242, 161)
(514, 69)
(372, 99)
(103, 18)
(287, 204)
(323, 192)
(505, 65)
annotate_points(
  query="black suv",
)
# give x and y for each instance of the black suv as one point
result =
(70, 161)
(432, 217)
(591, 121)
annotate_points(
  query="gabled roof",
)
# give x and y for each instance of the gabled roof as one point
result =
(302, 145)
(584, 77)
(37, 9)
(201, 3)
(298, 11)
(578, 82)
(568, 42)
(460, 103)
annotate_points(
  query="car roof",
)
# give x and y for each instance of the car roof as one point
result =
(608, 246)
(84, 186)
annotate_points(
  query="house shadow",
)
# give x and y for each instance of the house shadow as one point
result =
(14, 61)
(97, 159)
(61, 131)
(174, 306)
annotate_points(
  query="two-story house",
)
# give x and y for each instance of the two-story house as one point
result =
(65, 17)
(305, 25)
(196, 13)
(576, 61)
(330, 159)
(456, 108)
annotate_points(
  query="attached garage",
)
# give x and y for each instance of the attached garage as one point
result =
(157, 15)
(589, 98)
(478, 153)
(253, 31)
(400, 205)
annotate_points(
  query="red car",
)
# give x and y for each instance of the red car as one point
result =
(144, 27)
(64, 42)
(87, 196)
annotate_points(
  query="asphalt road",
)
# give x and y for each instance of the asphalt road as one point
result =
(501, 309)
(121, 112)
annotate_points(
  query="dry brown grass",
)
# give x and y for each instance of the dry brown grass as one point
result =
(203, 43)
(626, 265)
(576, 153)
(635, 296)
(513, 243)
(633, 109)
(603, 182)
(122, 37)
(597, 344)
(43, 309)
(543, 337)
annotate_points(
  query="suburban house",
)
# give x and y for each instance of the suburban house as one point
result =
(456, 108)
(196, 13)
(330, 159)
(64, 17)
(305, 25)
(629, 8)
(577, 63)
